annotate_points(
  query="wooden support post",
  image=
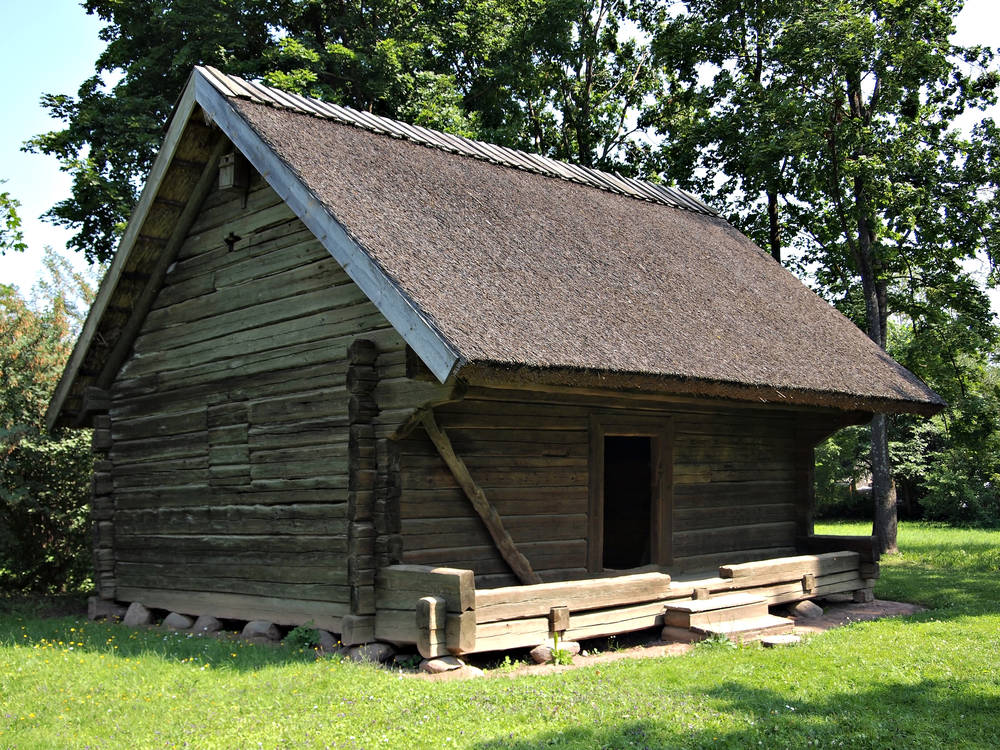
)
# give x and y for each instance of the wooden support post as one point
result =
(558, 619)
(505, 544)
(700, 593)
(356, 630)
(431, 624)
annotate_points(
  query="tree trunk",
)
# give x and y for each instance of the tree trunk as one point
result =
(773, 227)
(876, 314)
(883, 489)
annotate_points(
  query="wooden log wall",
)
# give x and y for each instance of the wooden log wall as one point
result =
(233, 422)
(736, 493)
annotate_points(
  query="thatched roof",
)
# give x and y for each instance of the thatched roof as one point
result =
(520, 269)
(541, 276)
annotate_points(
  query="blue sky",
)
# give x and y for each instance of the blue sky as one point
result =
(50, 47)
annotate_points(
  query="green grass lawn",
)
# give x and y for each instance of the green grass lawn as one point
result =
(926, 681)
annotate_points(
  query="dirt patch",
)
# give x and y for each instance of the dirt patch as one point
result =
(837, 613)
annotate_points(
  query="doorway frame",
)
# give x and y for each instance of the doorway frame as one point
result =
(660, 430)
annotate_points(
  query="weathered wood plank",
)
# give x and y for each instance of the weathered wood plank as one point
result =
(732, 538)
(614, 621)
(791, 568)
(529, 601)
(399, 586)
(865, 546)
(511, 634)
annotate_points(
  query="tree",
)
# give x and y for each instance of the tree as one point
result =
(11, 236)
(560, 77)
(886, 197)
(44, 479)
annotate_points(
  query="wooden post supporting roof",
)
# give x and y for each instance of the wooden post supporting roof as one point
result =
(504, 543)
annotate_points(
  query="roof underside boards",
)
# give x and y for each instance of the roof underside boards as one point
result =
(519, 269)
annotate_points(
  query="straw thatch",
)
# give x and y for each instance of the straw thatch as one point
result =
(520, 270)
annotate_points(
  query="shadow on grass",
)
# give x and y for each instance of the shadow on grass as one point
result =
(925, 714)
(34, 623)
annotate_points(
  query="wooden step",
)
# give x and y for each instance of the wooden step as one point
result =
(714, 611)
(749, 629)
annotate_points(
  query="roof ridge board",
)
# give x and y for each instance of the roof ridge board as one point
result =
(643, 188)
(373, 122)
(681, 196)
(415, 135)
(218, 79)
(307, 103)
(473, 148)
(244, 89)
(280, 97)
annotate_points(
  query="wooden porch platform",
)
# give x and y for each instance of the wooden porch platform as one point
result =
(441, 611)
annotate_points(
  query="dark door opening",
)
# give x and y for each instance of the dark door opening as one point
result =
(628, 485)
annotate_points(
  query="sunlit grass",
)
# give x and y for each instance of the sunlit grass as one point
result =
(927, 681)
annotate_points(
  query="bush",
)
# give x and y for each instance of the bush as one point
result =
(841, 463)
(44, 478)
(44, 519)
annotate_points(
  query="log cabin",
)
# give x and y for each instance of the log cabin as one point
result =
(412, 387)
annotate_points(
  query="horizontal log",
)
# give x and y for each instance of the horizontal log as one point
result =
(330, 402)
(528, 601)
(264, 570)
(333, 450)
(261, 335)
(510, 634)
(509, 502)
(336, 482)
(690, 519)
(200, 543)
(543, 555)
(299, 434)
(510, 463)
(399, 586)
(444, 532)
(865, 546)
(313, 518)
(792, 568)
(183, 579)
(730, 494)
(487, 479)
(614, 621)
(731, 538)
(709, 563)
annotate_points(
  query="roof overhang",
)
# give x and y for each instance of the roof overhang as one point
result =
(668, 388)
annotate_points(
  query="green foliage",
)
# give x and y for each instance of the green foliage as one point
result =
(953, 459)
(44, 479)
(11, 236)
(302, 637)
(560, 656)
(561, 77)
(716, 642)
(841, 462)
